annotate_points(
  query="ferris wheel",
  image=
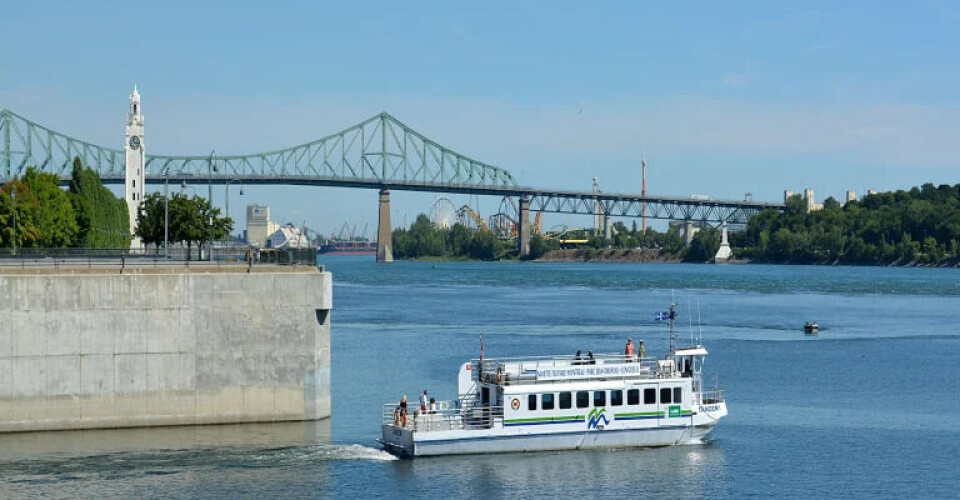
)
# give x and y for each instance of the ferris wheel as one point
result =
(444, 213)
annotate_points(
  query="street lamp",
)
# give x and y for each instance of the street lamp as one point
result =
(166, 214)
(226, 190)
(13, 194)
(210, 170)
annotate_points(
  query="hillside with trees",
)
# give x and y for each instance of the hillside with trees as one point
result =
(919, 226)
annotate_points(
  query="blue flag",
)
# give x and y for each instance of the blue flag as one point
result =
(663, 315)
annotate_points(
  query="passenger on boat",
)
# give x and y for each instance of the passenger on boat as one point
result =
(590, 359)
(641, 351)
(433, 405)
(400, 413)
(628, 351)
(424, 398)
(577, 358)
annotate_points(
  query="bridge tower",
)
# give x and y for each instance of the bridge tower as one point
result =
(384, 229)
(135, 173)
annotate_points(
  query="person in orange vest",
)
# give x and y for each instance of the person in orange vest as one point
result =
(628, 351)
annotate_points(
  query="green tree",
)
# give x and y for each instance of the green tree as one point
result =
(704, 245)
(484, 245)
(102, 218)
(192, 221)
(52, 210)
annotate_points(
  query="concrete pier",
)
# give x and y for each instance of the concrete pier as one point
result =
(384, 229)
(88, 347)
(524, 232)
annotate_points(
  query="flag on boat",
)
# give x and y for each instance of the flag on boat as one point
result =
(665, 315)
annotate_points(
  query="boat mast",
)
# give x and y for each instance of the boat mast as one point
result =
(673, 316)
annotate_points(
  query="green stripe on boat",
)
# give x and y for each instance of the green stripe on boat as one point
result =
(562, 418)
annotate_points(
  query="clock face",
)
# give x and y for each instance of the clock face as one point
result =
(134, 142)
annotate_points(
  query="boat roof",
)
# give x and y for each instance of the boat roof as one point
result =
(696, 350)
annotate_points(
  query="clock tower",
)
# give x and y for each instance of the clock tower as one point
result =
(136, 160)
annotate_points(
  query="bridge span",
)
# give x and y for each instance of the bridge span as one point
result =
(379, 153)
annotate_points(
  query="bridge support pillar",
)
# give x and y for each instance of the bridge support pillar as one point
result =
(688, 232)
(384, 229)
(607, 231)
(523, 235)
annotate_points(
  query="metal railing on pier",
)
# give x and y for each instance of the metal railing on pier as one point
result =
(122, 258)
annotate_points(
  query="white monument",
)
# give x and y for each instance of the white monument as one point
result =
(724, 253)
(135, 173)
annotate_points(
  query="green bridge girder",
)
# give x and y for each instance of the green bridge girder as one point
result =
(380, 150)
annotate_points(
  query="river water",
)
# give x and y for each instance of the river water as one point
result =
(870, 407)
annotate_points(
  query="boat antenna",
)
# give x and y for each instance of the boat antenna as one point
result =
(672, 317)
(481, 345)
(690, 322)
(699, 325)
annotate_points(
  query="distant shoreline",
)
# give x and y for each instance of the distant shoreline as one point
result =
(592, 255)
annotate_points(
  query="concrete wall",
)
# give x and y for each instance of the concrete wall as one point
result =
(163, 346)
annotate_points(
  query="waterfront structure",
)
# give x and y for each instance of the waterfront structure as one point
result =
(379, 153)
(135, 168)
(288, 236)
(120, 345)
(259, 225)
(563, 403)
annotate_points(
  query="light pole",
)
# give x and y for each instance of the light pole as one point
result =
(226, 190)
(166, 214)
(13, 194)
(210, 170)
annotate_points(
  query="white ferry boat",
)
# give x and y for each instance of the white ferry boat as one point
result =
(563, 403)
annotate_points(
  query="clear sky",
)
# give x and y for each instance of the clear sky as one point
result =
(723, 98)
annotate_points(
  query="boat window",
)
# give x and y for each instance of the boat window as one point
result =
(677, 395)
(665, 395)
(599, 398)
(531, 402)
(583, 399)
(546, 401)
(650, 396)
(616, 398)
(565, 401)
(633, 397)
(485, 396)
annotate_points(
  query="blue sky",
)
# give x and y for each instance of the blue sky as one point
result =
(722, 99)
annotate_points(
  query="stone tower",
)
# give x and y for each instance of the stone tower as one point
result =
(136, 159)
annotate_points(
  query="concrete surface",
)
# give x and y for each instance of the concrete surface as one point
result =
(95, 349)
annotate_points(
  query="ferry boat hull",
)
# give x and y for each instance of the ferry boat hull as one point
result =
(686, 430)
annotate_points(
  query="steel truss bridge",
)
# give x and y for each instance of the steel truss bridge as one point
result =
(379, 153)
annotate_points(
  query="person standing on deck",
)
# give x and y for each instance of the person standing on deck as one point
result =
(641, 351)
(424, 400)
(628, 350)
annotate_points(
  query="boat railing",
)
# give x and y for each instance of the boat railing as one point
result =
(451, 416)
(712, 397)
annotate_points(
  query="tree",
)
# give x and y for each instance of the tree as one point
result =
(540, 246)
(484, 245)
(191, 220)
(102, 218)
(50, 209)
(704, 245)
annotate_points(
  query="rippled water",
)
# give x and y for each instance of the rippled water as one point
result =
(870, 407)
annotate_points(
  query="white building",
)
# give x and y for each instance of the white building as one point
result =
(259, 225)
(288, 237)
(135, 173)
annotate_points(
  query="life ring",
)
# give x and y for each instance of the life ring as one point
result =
(515, 404)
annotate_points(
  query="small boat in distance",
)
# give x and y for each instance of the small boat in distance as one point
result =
(563, 403)
(811, 328)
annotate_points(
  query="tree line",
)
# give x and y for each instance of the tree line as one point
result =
(919, 226)
(86, 215)
(424, 239)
